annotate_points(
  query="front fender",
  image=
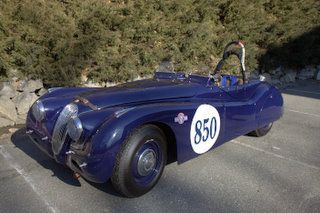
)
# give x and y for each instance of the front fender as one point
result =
(116, 129)
(67, 91)
(106, 142)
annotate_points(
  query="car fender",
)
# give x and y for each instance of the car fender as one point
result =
(270, 107)
(66, 91)
(115, 130)
(107, 140)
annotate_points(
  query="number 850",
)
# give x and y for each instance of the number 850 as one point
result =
(204, 129)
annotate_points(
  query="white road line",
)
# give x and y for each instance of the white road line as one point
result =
(304, 91)
(275, 147)
(275, 155)
(305, 113)
(26, 177)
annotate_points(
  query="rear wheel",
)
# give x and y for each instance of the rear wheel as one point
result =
(261, 131)
(140, 162)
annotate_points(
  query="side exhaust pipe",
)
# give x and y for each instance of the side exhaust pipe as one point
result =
(76, 175)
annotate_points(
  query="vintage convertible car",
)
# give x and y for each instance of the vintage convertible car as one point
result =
(127, 132)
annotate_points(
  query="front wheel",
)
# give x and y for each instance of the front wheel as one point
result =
(261, 131)
(140, 162)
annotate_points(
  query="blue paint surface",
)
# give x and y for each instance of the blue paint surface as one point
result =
(123, 108)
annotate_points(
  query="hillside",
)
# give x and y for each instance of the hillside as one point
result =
(58, 41)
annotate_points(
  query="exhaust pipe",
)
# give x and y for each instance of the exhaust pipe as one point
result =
(76, 175)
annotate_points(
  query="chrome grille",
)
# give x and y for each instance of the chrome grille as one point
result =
(60, 128)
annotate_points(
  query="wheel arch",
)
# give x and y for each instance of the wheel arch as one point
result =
(108, 139)
(170, 139)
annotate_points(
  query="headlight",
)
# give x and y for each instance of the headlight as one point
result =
(74, 128)
(38, 110)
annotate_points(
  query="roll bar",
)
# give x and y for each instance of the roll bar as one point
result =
(227, 53)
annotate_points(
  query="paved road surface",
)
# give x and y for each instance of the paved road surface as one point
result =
(277, 173)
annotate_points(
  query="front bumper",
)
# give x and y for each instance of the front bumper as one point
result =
(39, 135)
(89, 168)
(95, 168)
(44, 146)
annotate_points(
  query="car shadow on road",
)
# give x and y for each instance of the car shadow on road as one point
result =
(24, 143)
(105, 187)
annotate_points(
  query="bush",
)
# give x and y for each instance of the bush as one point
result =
(57, 41)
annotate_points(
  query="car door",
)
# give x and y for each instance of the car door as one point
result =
(239, 111)
(209, 125)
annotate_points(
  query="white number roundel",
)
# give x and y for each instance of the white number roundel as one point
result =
(205, 128)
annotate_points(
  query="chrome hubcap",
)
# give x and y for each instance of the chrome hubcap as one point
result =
(146, 162)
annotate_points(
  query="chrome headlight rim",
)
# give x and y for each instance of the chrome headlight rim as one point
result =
(75, 128)
(38, 110)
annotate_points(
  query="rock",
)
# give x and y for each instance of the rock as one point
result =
(165, 66)
(205, 70)
(6, 89)
(14, 79)
(289, 77)
(276, 82)
(318, 76)
(267, 77)
(254, 74)
(5, 136)
(41, 92)
(103, 84)
(110, 84)
(5, 122)
(7, 108)
(17, 83)
(93, 84)
(137, 78)
(21, 119)
(30, 86)
(276, 72)
(306, 73)
(14, 73)
(12, 130)
(20, 84)
(24, 101)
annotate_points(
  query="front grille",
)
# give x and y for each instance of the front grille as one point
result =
(60, 129)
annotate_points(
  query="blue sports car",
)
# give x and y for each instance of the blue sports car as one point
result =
(127, 132)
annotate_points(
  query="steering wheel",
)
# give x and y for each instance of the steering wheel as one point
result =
(226, 53)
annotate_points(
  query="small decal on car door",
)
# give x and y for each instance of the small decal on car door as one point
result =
(181, 118)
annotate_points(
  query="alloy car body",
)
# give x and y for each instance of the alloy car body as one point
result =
(90, 129)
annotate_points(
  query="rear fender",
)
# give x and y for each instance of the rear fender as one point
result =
(271, 108)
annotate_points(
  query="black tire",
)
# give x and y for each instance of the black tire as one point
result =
(126, 178)
(261, 131)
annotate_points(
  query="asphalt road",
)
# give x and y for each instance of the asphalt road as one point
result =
(276, 173)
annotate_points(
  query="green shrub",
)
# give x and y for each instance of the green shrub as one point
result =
(118, 40)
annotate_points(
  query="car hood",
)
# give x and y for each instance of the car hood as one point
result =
(139, 92)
